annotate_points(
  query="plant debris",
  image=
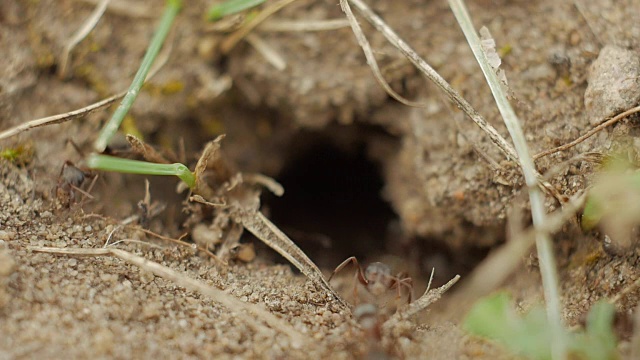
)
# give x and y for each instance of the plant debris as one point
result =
(233, 197)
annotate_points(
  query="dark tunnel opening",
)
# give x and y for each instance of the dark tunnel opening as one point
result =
(332, 207)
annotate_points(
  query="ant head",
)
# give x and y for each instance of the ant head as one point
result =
(379, 277)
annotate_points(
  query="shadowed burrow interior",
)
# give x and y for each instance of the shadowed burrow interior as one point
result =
(333, 206)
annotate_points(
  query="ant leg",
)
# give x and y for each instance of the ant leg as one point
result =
(87, 194)
(76, 147)
(358, 276)
(359, 273)
(408, 283)
(403, 280)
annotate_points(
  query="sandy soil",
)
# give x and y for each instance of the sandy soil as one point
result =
(364, 175)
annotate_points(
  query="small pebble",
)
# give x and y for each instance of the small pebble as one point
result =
(614, 83)
(6, 235)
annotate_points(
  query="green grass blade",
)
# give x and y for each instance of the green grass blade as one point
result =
(544, 247)
(218, 11)
(112, 163)
(171, 10)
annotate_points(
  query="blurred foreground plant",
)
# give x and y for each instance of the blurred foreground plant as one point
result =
(494, 318)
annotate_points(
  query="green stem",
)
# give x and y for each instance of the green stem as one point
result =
(171, 10)
(112, 163)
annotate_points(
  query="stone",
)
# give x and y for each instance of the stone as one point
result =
(614, 83)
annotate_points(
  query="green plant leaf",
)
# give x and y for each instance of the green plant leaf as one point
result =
(218, 11)
(112, 163)
(488, 316)
(598, 341)
(493, 317)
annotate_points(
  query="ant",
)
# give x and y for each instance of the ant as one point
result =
(370, 320)
(377, 278)
(70, 179)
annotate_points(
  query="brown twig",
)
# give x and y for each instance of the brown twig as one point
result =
(60, 118)
(589, 134)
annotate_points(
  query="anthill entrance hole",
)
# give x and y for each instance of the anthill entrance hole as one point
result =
(332, 205)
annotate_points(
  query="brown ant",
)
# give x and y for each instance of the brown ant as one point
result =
(370, 320)
(70, 180)
(377, 278)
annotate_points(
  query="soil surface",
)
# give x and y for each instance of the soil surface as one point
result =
(416, 188)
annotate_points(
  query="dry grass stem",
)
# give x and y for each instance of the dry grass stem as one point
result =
(147, 151)
(210, 154)
(201, 200)
(281, 25)
(590, 133)
(106, 243)
(429, 297)
(269, 53)
(126, 8)
(241, 309)
(432, 75)
(82, 33)
(433, 271)
(232, 40)
(71, 115)
(371, 59)
(267, 232)
(502, 144)
(60, 118)
(270, 184)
